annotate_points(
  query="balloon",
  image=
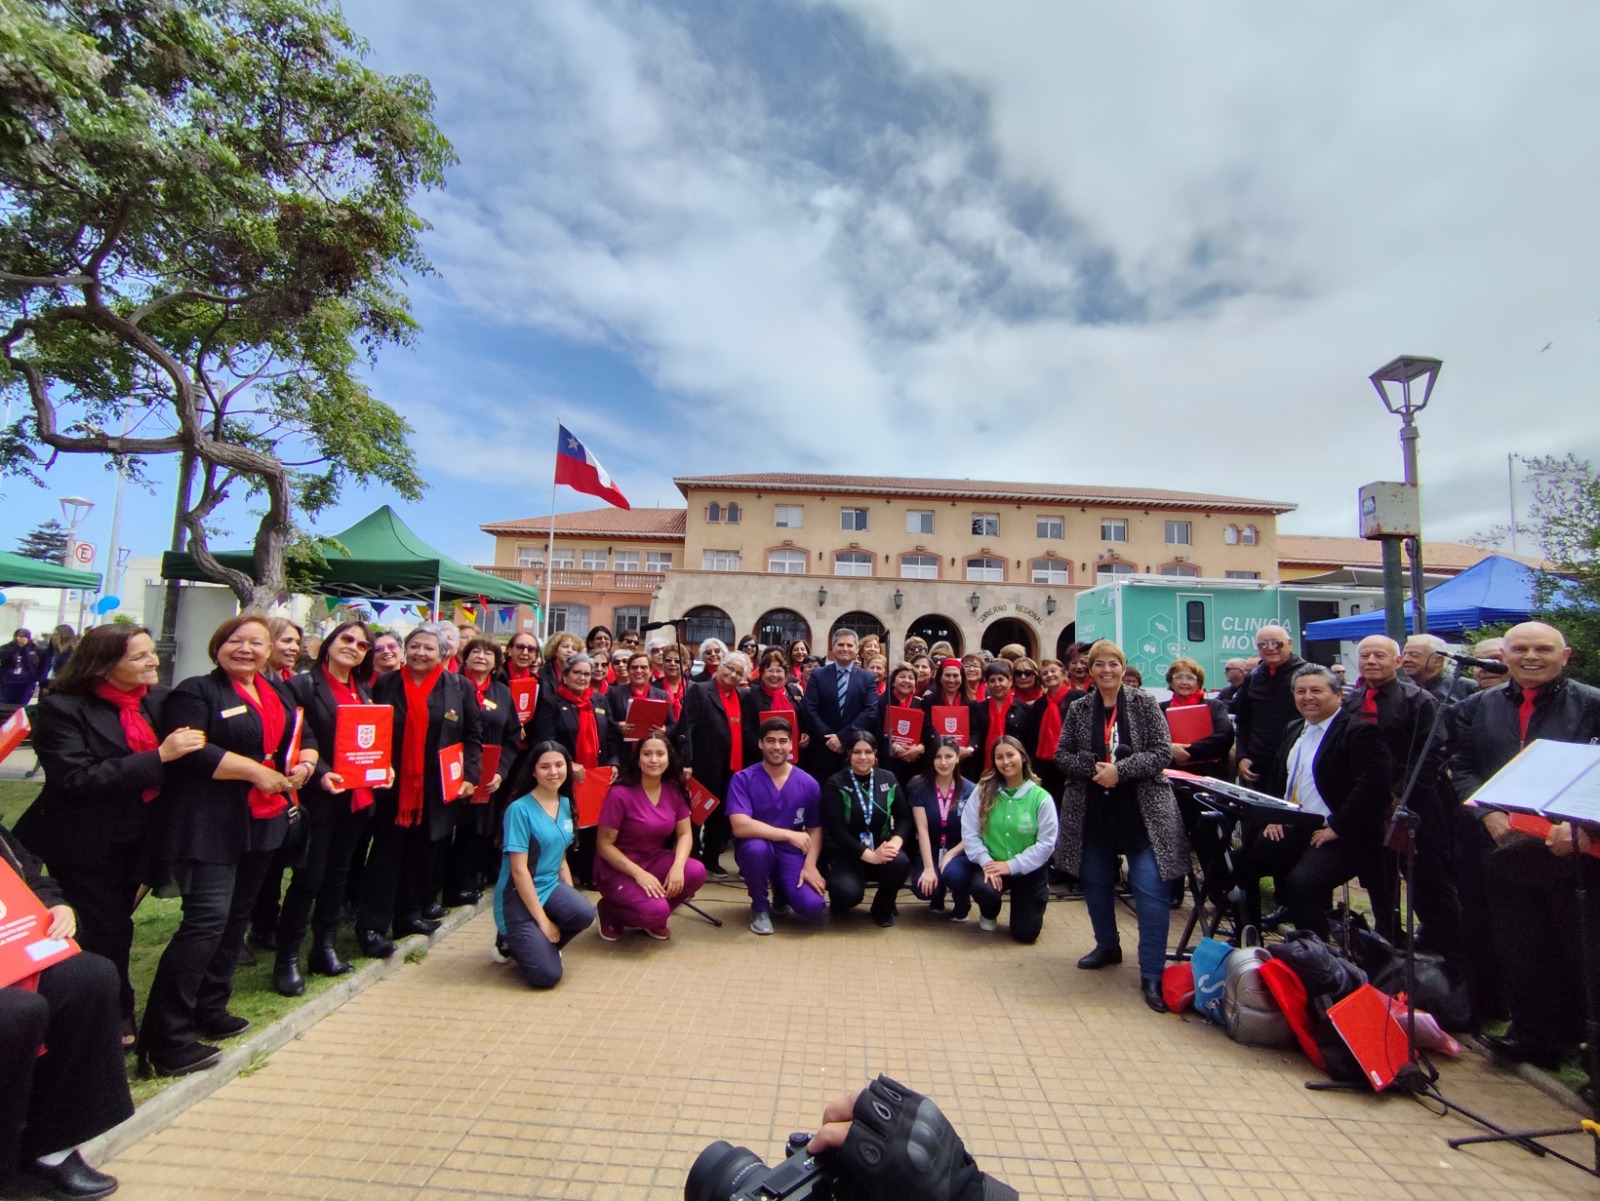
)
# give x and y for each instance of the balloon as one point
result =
(107, 603)
(2, 598)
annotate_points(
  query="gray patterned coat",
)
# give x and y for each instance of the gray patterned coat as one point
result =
(1152, 752)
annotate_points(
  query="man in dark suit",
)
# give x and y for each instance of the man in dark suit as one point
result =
(840, 698)
(1264, 705)
(710, 737)
(1328, 763)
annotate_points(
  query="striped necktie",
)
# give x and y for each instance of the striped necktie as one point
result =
(844, 686)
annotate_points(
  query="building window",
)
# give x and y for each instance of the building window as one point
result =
(986, 525)
(658, 560)
(1179, 533)
(852, 519)
(1051, 571)
(714, 512)
(786, 562)
(561, 559)
(1187, 570)
(1113, 529)
(983, 570)
(625, 560)
(731, 513)
(707, 621)
(570, 619)
(594, 560)
(919, 567)
(530, 556)
(919, 521)
(1054, 528)
(1230, 534)
(1241, 575)
(1194, 621)
(1111, 568)
(629, 617)
(1248, 536)
(787, 517)
(719, 560)
(853, 562)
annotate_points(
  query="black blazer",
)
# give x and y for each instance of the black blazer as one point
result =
(209, 820)
(453, 717)
(1210, 754)
(557, 721)
(753, 703)
(1352, 772)
(92, 781)
(705, 740)
(498, 714)
(1022, 723)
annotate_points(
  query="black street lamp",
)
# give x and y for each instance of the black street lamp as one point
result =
(1401, 374)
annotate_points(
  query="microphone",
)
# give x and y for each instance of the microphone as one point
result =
(661, 625)
(1492, 666)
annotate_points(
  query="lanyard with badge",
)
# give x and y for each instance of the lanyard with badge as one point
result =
(867, 840)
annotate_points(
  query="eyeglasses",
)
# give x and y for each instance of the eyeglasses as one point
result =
(672, 663)
(361, 644)
(1271, 644)
(1184, 675)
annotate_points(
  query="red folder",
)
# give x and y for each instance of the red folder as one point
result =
(363, 744)
(952, 721)
(903, 726)
(589, 794)
(794, 733)
(524, 694)
(1374, 1036)
(1189, 723)
(1539, 827)
(486, 770)
(645, 714)
(701, 802)
(25, 947)
(452, 769)
(13, 732)
(292, 760)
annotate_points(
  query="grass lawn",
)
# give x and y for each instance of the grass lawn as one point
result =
(153, 924)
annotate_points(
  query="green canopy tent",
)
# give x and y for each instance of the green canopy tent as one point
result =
(19, 570)
(382, 560)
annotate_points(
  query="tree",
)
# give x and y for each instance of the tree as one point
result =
(1563, 520)
(46, 542)
(205, 226)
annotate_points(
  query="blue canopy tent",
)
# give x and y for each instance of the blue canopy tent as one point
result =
(1496, 589)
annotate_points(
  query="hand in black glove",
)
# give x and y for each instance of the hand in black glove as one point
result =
(896, 1145)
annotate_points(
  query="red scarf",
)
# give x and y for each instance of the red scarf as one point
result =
(414, 746)
(513, 672)
(735, 712)
(979, 692)
(1369, 704)
(1029, 694)
(777, 702)
(135, 726)
(1197, 697)
(481, 689)
(346, 694)
(273, 719)
(1525, 712)
(639, 691)
(997, 729)
(674, 695)
(1050, 724)
(587, 752)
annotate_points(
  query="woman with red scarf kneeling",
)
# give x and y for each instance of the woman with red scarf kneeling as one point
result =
(436, 718)
(223, 812)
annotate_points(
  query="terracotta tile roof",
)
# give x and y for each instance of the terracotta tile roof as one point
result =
(1296, 550)
(883, 485)
(665, 524)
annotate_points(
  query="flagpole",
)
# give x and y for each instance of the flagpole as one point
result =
(550, 547)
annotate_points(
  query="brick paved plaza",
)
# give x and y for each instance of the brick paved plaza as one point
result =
(452, 1080)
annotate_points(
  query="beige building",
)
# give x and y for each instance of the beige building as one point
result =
(980, 563)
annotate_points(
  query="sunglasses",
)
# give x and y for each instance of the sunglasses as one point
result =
(1024, 672)
(1273, 645)
(361, 644)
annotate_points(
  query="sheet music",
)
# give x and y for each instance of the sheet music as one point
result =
(1558, 780)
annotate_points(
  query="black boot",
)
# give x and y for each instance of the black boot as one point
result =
(373, 944)
(286, 977)
(324, 958)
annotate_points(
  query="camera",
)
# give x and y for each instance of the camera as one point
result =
(723, 1172)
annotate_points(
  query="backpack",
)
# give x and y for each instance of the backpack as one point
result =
(1249, 1010)
(1210, 964)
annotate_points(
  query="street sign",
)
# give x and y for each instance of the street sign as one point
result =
(83, 552)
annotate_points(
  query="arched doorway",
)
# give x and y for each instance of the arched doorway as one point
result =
(780, 627)
(707, 621)
(1067, 637)
(936, 627)
(1008, 630)
(859, 621)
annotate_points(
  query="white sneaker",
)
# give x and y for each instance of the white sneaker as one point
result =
(497, 953)
(987, 923)
(761, 923)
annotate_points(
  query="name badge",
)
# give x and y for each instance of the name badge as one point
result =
(490, 705)
(236, 711)
(451, 715)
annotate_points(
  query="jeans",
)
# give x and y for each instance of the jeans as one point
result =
(537, 958)
(1151, 903)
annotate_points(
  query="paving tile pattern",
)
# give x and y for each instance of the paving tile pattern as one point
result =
(452, 1080)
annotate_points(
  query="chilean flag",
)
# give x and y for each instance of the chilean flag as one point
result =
(578, 469)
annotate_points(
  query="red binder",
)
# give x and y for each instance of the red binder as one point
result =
(524, 694)
(452, 769)
(701, 802)
(1539, 827)
(589, 794)
(645, 714)
(903, 726)
(25, 947)
(794, 733)
(952, 721)
(1374, 1036)
(1189, 723)
(486, 770)
(362, 744)
(13, 732)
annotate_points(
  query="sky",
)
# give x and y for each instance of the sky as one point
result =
(1159, 244)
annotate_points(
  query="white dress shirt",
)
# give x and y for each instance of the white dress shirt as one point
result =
(1302, 758)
